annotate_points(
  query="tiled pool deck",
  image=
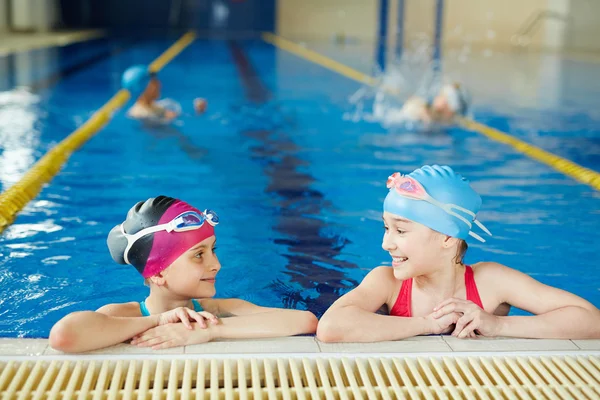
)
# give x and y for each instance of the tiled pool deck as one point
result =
(310, 345)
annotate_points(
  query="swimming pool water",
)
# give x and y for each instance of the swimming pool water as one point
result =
(298, 187)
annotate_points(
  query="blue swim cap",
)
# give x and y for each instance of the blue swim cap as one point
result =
(451, 203)
(135, 79)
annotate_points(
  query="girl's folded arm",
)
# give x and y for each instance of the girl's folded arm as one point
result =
(558, 314)
(261, 321)
(224, 308)
(352, 317)
(91, 330)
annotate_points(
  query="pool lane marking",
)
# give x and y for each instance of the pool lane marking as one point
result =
(17, 196)
(567, 167)
(171, 52)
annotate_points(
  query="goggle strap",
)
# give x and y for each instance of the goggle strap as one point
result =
(459, 208)
(479, 224)
(448, 208)
(131, 239)
(476, 236)
(128, 245)
(463, 219)
(483, 228)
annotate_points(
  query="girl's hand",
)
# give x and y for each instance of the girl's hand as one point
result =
(200, 105)
(186, 316)
(171, 335)
(169, 115)
(473, 320)
(443, 324)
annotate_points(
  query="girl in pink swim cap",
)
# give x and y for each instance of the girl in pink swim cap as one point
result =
(172, 245)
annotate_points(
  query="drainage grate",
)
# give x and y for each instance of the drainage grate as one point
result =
(499, 377)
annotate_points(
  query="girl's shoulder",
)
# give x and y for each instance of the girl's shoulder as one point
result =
(223, 308)
(382, 279)
(381, 274)
(489, 268)
(131, 309)
(492, 273)
(492, 280)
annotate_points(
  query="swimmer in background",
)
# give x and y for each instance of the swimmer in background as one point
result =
(148, 105)
(450, 102)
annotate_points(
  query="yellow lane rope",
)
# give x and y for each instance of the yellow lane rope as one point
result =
(171, 52)
(17, 196)
(318, 58)
(569, 168)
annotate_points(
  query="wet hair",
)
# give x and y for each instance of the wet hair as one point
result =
(461, 250)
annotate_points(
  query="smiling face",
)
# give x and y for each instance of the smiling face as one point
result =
(193, 274)
(415, 249)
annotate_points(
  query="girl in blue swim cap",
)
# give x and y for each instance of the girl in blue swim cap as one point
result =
(428, 215)
(149, 107)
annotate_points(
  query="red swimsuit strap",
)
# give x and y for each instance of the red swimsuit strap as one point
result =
(402, 306)
(472, 292)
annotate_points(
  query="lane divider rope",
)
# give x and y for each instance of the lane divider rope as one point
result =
(14, 199)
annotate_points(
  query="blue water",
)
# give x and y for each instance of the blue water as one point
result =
(298, 187)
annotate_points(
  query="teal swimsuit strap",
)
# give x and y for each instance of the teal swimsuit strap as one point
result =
(197, 306)
(144, 309)
(146, 313)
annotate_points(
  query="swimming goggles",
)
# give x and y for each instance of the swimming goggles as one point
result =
(408, 187)
(186, 221)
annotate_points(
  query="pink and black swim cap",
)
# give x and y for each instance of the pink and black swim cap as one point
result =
(155, 251)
